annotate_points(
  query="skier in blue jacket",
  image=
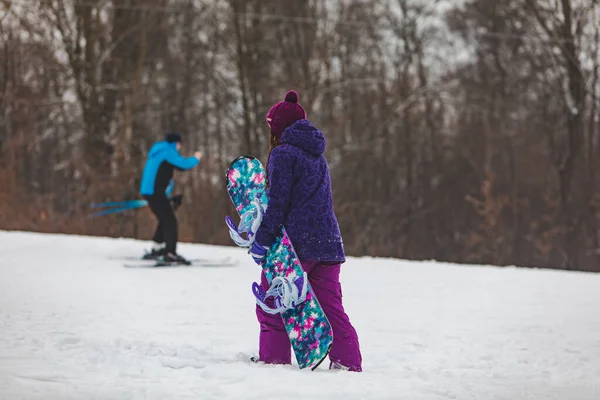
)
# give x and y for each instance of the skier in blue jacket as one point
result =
(163, 158)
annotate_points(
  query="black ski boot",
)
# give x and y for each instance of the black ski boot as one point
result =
(172, 259)
(155, 253)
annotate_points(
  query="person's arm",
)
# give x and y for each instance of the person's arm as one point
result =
(281, 179)
(183, 163)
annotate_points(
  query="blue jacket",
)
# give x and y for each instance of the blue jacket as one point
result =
(158, 171)
(300, 196)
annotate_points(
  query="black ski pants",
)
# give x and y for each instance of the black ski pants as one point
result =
(166, 231)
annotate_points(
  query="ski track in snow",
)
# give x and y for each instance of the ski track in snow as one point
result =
(75, 324)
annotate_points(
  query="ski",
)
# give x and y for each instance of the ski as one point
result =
(153, 260)
(150, 260)
(226, 262)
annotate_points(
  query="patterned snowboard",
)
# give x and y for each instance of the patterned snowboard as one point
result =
(308, 328)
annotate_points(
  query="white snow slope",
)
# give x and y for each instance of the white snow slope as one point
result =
(75, 324)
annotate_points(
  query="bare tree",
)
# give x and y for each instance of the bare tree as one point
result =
(466, 134)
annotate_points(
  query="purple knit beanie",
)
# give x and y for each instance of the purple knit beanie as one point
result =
(285, 113)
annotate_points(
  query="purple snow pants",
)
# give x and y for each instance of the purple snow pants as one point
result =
(324, 279)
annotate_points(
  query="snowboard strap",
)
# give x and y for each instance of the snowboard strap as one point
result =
(249, 224)
(286, 293)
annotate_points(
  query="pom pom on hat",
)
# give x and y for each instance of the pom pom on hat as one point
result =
(291, 97)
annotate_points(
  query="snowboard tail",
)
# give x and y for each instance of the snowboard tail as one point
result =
(307, 325)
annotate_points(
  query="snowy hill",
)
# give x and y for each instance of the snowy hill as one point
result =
(75, 324)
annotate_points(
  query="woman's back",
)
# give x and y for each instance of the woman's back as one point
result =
(300, 193)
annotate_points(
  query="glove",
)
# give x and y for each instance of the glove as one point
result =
(176, 201)
(258, 252)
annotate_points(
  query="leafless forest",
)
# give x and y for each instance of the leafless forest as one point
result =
(457, 131)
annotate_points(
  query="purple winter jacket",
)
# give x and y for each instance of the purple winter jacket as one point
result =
(300, 196)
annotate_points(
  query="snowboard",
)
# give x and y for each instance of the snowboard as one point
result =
(307, 326)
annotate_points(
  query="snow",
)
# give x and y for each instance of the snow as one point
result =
(75, 324)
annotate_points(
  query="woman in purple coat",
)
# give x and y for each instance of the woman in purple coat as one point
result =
(300, 199)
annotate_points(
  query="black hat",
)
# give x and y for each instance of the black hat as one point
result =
(173, 137)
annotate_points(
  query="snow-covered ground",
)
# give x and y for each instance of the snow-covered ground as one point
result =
(75, 324)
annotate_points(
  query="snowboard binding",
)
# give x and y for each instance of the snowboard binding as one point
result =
(249, 223)
(287, 293)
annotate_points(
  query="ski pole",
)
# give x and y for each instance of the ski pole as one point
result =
(114, 203)
(129, 206)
